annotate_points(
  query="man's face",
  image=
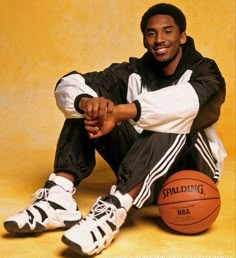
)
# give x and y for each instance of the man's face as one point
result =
(162, 38)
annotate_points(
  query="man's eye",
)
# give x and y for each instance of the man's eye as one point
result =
(151, 34)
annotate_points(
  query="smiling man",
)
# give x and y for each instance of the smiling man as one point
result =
(148, 118)
(162, 38)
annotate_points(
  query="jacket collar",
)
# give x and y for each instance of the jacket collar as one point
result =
(149, 67)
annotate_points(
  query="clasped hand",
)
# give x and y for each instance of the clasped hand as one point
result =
(99, 116)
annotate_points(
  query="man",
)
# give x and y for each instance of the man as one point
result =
(148, 118)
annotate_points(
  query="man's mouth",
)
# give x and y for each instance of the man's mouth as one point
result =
(161, 50)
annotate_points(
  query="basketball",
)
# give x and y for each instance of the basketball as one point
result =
(189, 202)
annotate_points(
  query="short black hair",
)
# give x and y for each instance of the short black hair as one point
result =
(167, 9)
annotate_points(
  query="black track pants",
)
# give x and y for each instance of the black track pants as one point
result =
(149, 157)
(76, 152)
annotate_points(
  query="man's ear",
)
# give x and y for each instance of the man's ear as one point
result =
(144, 43)
(183, 38)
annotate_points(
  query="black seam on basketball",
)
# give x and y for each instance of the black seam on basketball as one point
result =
(191, 178)
(176, 224)
(192, 200)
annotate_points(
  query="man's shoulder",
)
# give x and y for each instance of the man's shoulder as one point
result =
(205, 62)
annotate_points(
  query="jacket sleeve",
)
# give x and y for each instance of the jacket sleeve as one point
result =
(110, 83)
(191, 105)
(66, 91)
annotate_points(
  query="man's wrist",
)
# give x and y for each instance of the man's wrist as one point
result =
(125, 112)
(80, 105)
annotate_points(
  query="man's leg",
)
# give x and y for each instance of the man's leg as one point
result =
(186, 152)
(150, 151)
(151, 159)
(75, 153)
(53, 205)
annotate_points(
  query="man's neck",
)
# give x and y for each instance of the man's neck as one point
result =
(169, 68)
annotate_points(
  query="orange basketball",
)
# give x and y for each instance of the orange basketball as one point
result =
(189, 202)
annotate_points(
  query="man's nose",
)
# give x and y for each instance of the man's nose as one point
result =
(159, 38)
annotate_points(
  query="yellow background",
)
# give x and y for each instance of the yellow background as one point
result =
(42, 40)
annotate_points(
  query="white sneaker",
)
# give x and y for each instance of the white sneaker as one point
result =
(95, 232)
(53, 207)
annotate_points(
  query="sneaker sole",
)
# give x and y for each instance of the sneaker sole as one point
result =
(12, 227)
(75, 247)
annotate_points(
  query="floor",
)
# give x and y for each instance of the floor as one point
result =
(143, 234)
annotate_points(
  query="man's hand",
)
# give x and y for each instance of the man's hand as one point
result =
(96, 107)
(99, 127)
(101, 115)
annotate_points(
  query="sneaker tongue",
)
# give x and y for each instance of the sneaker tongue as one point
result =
(113, 200)
(63, 182)
(49, 184)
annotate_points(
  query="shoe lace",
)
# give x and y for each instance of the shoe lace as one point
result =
(73, 191)
(40, 194)
(101, 209)
(43, 193)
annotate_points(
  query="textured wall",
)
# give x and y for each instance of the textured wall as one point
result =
(42, 40)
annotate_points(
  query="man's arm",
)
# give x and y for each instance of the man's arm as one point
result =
(97, 107)
(99, 126)
(73, 86)
(191, 105)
